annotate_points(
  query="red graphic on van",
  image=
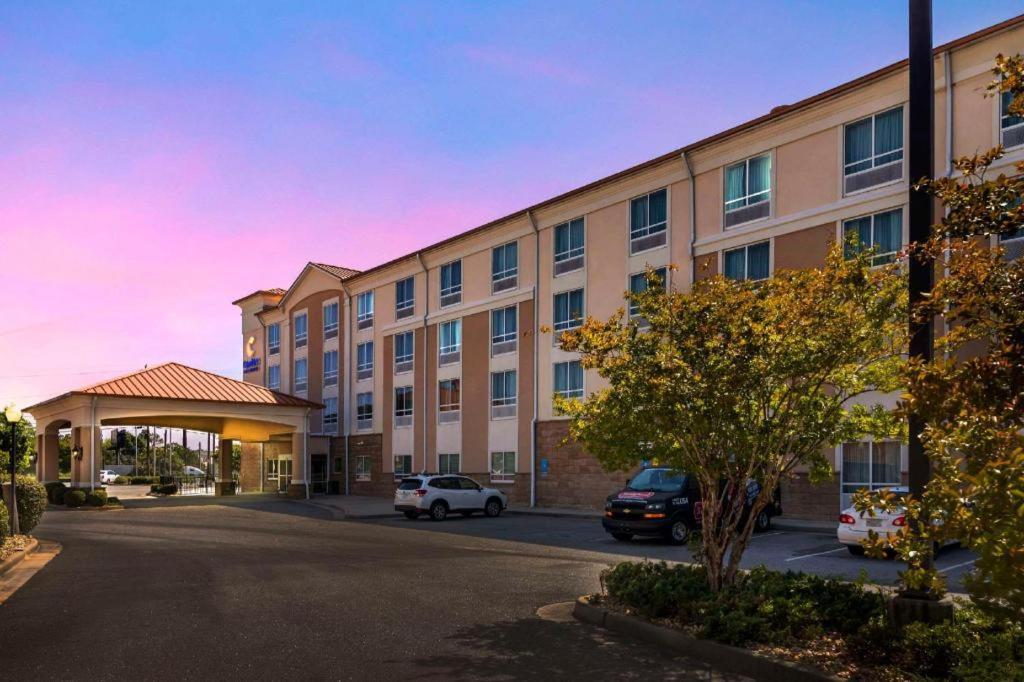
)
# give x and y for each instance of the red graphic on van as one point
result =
(634, 495)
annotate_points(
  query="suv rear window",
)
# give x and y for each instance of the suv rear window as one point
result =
(410, 484)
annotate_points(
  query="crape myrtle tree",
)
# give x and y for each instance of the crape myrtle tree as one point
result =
(972, 395)
(739, 381)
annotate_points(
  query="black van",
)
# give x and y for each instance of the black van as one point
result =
(663, 502)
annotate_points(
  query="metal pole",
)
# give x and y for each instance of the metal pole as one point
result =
(15, 525)
(921, 163)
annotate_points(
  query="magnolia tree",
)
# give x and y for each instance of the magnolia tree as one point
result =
(739, 381)
(972, 395)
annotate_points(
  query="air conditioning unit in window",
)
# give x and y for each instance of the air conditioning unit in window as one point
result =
(875, 176)
(1013, 137)
(1013, 249)
(405, 312)
(568, 265)
(651, 241)
(503, 347)
(451, 299)
(364, 323)
(748, 213)
(449, 417)
(449, 358)
(404, 366)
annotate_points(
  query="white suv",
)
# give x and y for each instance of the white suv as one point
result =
(437, 495)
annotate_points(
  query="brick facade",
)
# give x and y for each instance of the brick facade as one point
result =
(369, 445)
(574, 478)
(802, 500)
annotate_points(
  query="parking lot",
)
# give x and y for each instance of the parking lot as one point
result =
(812, 552)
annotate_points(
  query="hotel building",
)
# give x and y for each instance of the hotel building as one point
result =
(434, 361)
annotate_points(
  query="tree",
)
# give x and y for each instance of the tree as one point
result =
(26, 446)
(736, 381)
(972, 396)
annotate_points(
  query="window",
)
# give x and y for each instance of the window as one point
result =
(274, 377)
(568, 310)
(403, 465)
(569, 379)
(273, 469)
(364, 310)
(364, 467)
(504, 267)
(448, 464)
(301, 330)
(451, 283)
(503, 330)
(405, 297)
(330, 415)
(638, 284)
(749, 263)
(331, 321)
(451, 342)
(364, 410)
(503, 467)
(648, 220)
(403, 352)
(748, 190)
(1011, 126)
(339, 465)
(569, 246)
(403, 406)
(364, 360)
(331, 368)
(503, 394)
(274, 339)
(869, 465)
(882, 232)
(301, 380)
(449, 400)
(873, 150)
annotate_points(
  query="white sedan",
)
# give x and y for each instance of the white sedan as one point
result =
(107, 476)
(854, 526)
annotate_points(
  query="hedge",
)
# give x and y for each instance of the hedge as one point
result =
(96, 498)
(32, 502)
(5, 522)
(74, 498)
(51, 491)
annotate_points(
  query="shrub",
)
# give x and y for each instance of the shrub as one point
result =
(96, 498)
(111, 501)
(154, 488)
(51, 490)
(143, 480)
(5, 522)
(121, 480)
(74, 498)
(169, 489)
(58, 495)
(656, 590)
(32, 502)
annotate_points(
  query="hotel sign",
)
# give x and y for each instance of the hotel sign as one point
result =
(250, 363)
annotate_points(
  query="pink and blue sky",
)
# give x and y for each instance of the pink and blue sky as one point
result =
(159, 160)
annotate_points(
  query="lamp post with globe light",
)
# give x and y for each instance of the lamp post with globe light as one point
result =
(13, 415)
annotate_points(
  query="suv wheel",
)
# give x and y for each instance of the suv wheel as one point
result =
(438, 511)
(493, 507)
(623, 537)
(679, 533)
(763, 522)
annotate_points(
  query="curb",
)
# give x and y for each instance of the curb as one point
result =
(16, 558)
(721, 657)
(554, 514)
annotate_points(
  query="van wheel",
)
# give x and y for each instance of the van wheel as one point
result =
(493, 507)
(623, 537)
(679, 533)
(411, 514)
(763, 522)
(855, 550)
(438, 511)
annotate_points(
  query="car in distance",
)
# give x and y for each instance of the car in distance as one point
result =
(854, 526)
(663, 502)
(107, 476)
(438, 495)
(192, 471)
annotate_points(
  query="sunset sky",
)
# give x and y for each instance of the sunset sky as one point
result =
(159, 160)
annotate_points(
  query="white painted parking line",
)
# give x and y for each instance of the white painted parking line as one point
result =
(767, 535)
(950, 568)
(805, 556)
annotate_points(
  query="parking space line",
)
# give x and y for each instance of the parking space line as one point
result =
(767, 535)
(805, 556)
(950, 568)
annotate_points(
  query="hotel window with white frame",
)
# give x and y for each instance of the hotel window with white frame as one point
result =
(567, 311)
(331, 321)
(503, 467)
(403, 465)
(449, 400)
(451, 283)
(748, 263)
(873, 150)
(882, 231)
(339, 465)
(364, 410)
(648, 221)
(364, 360)
(504, 334)
(1011, 126)
(405, 297)
(364, 310)
(403, 352)
(569, 246)
(273, 339)
(748, 190)
(301, 330)
(331, 368)
(274, 377)
(403, 406)
(450, 346)
(569, 379)
(503, 394)
(301, 379)
(330, 415)
(448, 464)
(639, 283)
(871, 465)
(364, 467)
(504, 267)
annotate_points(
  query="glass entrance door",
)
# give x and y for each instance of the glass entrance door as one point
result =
(284, 474)
(318, 474)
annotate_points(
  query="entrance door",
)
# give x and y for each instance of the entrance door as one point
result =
(284, 474)
(318, 474)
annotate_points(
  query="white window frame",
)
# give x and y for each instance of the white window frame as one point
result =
(746, 183)
(1003, 116)
(875, 258)
(274, 330)
(874, 117)
(305, 381)
(304, 336)
(746, 261)
(363, 422)
(406, 469)
(507, 273)
(271, 384)
(364, 467)
(453, 289)
(449, 407)
(502, 474)
(570, 322)
(646, 230)
(449, 348)
(569, 392)
(404, 412)
(871, 465)
(410, 357)
(446, 470)
(330, 418)
(331, 375)
(662, 271)
(361, 364)
(572, 252)
(331, 327)
(505, 336)
(364, 312)
(401, 306)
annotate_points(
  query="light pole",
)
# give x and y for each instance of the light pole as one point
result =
(13, 415)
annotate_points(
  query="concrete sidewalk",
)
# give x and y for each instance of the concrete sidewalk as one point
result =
(366, 507)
